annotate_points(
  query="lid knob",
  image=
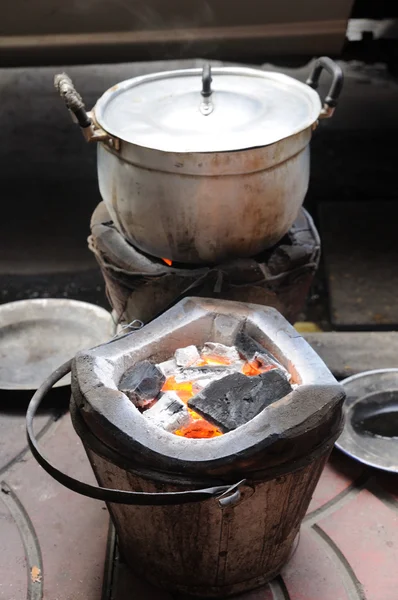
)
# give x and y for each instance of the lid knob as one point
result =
(206, 81)
(206, 106)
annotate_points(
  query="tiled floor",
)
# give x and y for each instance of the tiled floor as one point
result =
(56, 545)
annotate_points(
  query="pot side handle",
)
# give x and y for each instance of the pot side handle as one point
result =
(74, 102)
(227, 495)
(336, 72)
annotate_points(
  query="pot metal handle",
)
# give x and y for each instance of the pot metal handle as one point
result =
(74, 102)
(107, 494)
(336, 72)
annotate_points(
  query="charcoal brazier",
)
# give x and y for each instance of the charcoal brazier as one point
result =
(223, 546)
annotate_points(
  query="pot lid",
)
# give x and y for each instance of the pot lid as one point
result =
(193, 110)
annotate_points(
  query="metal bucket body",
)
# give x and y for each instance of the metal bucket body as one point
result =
(203, 549)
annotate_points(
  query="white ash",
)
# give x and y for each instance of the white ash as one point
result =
(215, 349)
(204, 373)
(265, 360)
(183, 366)
(169, 368)
(169, 412)
(185, 357)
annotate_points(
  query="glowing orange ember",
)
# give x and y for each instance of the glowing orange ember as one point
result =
(255, 368)
(199, 429)
(167, 261)
(184, 390)
(214, 360)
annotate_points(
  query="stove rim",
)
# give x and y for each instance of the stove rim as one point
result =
(127, 428)
(201, 477)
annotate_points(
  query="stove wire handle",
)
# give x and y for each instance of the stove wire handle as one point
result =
(219, 492)
(330, 102)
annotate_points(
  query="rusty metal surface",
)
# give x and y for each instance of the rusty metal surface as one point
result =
(206, 550)
(210, 217)
(36, 336)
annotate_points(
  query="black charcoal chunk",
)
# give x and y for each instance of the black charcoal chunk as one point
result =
(236, 399)
(142, 383)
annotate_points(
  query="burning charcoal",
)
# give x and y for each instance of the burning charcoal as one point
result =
(200, 384)
(169, 412)
(236, 399)
(169, 368)
(252, 350)
(185, 357)
(248, 346)
(199, 429)
(215, 350)
(212, 372)
(266, 360)
(142, 383)
(206, 369)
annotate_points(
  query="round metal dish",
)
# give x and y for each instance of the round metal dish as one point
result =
(365, 391)
(36, 336)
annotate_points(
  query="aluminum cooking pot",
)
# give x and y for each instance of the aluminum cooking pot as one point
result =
(202, 165)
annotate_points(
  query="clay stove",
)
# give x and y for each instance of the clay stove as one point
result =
(142, 287)
(224, 543)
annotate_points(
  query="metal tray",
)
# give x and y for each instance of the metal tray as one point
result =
(364, 392)
(37, 336)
